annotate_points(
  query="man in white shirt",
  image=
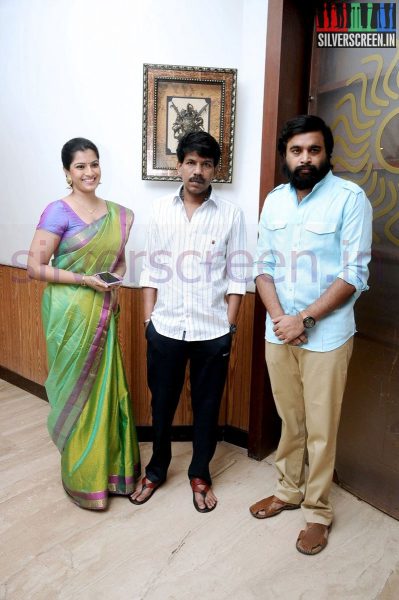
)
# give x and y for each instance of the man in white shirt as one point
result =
(193, 280)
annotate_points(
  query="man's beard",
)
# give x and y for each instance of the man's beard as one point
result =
(306, 181)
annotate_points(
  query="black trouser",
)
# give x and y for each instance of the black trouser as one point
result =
(166, 366)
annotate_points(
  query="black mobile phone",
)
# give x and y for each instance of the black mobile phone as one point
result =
(108, 278)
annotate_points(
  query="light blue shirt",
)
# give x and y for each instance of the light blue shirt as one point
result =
(305, 246)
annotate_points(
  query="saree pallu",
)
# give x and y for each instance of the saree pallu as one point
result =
(91, 418)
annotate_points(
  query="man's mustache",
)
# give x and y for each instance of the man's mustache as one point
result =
(309, 168)
(197, 180)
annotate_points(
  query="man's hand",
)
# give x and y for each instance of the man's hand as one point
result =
(289, 329)
(301, 339)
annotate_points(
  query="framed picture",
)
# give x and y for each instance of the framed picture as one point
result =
(179, 99)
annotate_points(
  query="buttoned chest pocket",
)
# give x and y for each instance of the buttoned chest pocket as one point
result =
(319, 234)
(277, 231)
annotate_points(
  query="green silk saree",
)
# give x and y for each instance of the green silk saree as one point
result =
(90, 419)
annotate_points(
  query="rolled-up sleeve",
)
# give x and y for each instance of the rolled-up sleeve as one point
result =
(237, 258)
(356, 235)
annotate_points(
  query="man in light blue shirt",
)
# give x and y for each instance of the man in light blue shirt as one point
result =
(311, 266)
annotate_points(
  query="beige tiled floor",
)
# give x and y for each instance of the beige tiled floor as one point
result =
(165, 550)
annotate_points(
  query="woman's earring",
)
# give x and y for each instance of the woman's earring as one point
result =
(69, 181)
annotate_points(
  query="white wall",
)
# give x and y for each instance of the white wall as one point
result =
(75, 68)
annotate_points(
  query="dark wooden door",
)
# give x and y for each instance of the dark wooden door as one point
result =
(357, 92)
(287, 76)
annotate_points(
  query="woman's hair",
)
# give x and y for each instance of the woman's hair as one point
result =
(305, 124)
(201, 142)
(75, 145)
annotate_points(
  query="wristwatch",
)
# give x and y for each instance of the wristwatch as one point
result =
(233, 328)
(308, 321)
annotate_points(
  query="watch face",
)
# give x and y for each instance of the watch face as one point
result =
(233, 328)
(309, 322)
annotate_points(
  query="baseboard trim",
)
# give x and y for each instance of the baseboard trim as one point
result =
(25, 384)
(184, 433)
(180, 433)
(236, 436)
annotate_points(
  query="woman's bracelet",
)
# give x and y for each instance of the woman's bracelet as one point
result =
(146, 321)
(83, 282)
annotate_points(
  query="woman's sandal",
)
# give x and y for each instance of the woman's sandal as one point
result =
(145, 484)
(195, 483)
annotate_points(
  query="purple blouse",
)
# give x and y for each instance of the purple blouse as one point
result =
(59, 218)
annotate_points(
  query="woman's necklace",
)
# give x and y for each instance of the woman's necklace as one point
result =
(91, 211)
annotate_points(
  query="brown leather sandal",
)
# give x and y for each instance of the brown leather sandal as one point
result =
(195, 483)
(271, 506)
(313, 539)
(146, 484)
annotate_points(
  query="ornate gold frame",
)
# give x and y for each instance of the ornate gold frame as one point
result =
(170, 93)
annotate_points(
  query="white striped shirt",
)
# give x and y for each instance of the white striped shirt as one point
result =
(193, 264)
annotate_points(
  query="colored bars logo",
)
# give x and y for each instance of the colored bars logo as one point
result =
(356, 24)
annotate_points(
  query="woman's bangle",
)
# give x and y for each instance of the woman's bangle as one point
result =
(146, 321)
(83, 282)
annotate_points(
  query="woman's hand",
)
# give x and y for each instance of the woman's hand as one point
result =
(95, 283)
(116, 286)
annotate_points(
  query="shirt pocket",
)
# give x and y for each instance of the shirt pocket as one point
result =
(212, 250)
(319, 234)
(277, 235)
(321, 227)
(276, 225)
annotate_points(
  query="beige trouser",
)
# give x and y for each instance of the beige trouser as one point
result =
(308, 388)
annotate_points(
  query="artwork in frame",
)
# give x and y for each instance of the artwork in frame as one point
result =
(178, 99)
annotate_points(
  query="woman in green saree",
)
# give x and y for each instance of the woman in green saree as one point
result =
(90, 419)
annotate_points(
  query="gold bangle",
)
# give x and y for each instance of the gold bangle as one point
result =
(83, 282)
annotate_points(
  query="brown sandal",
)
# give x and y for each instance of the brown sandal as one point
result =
(271, 506)
(313, 539)
(195, 483)
(145, 484)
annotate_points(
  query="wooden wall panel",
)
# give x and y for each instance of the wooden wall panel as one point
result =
(23, 349)
(238, 381)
